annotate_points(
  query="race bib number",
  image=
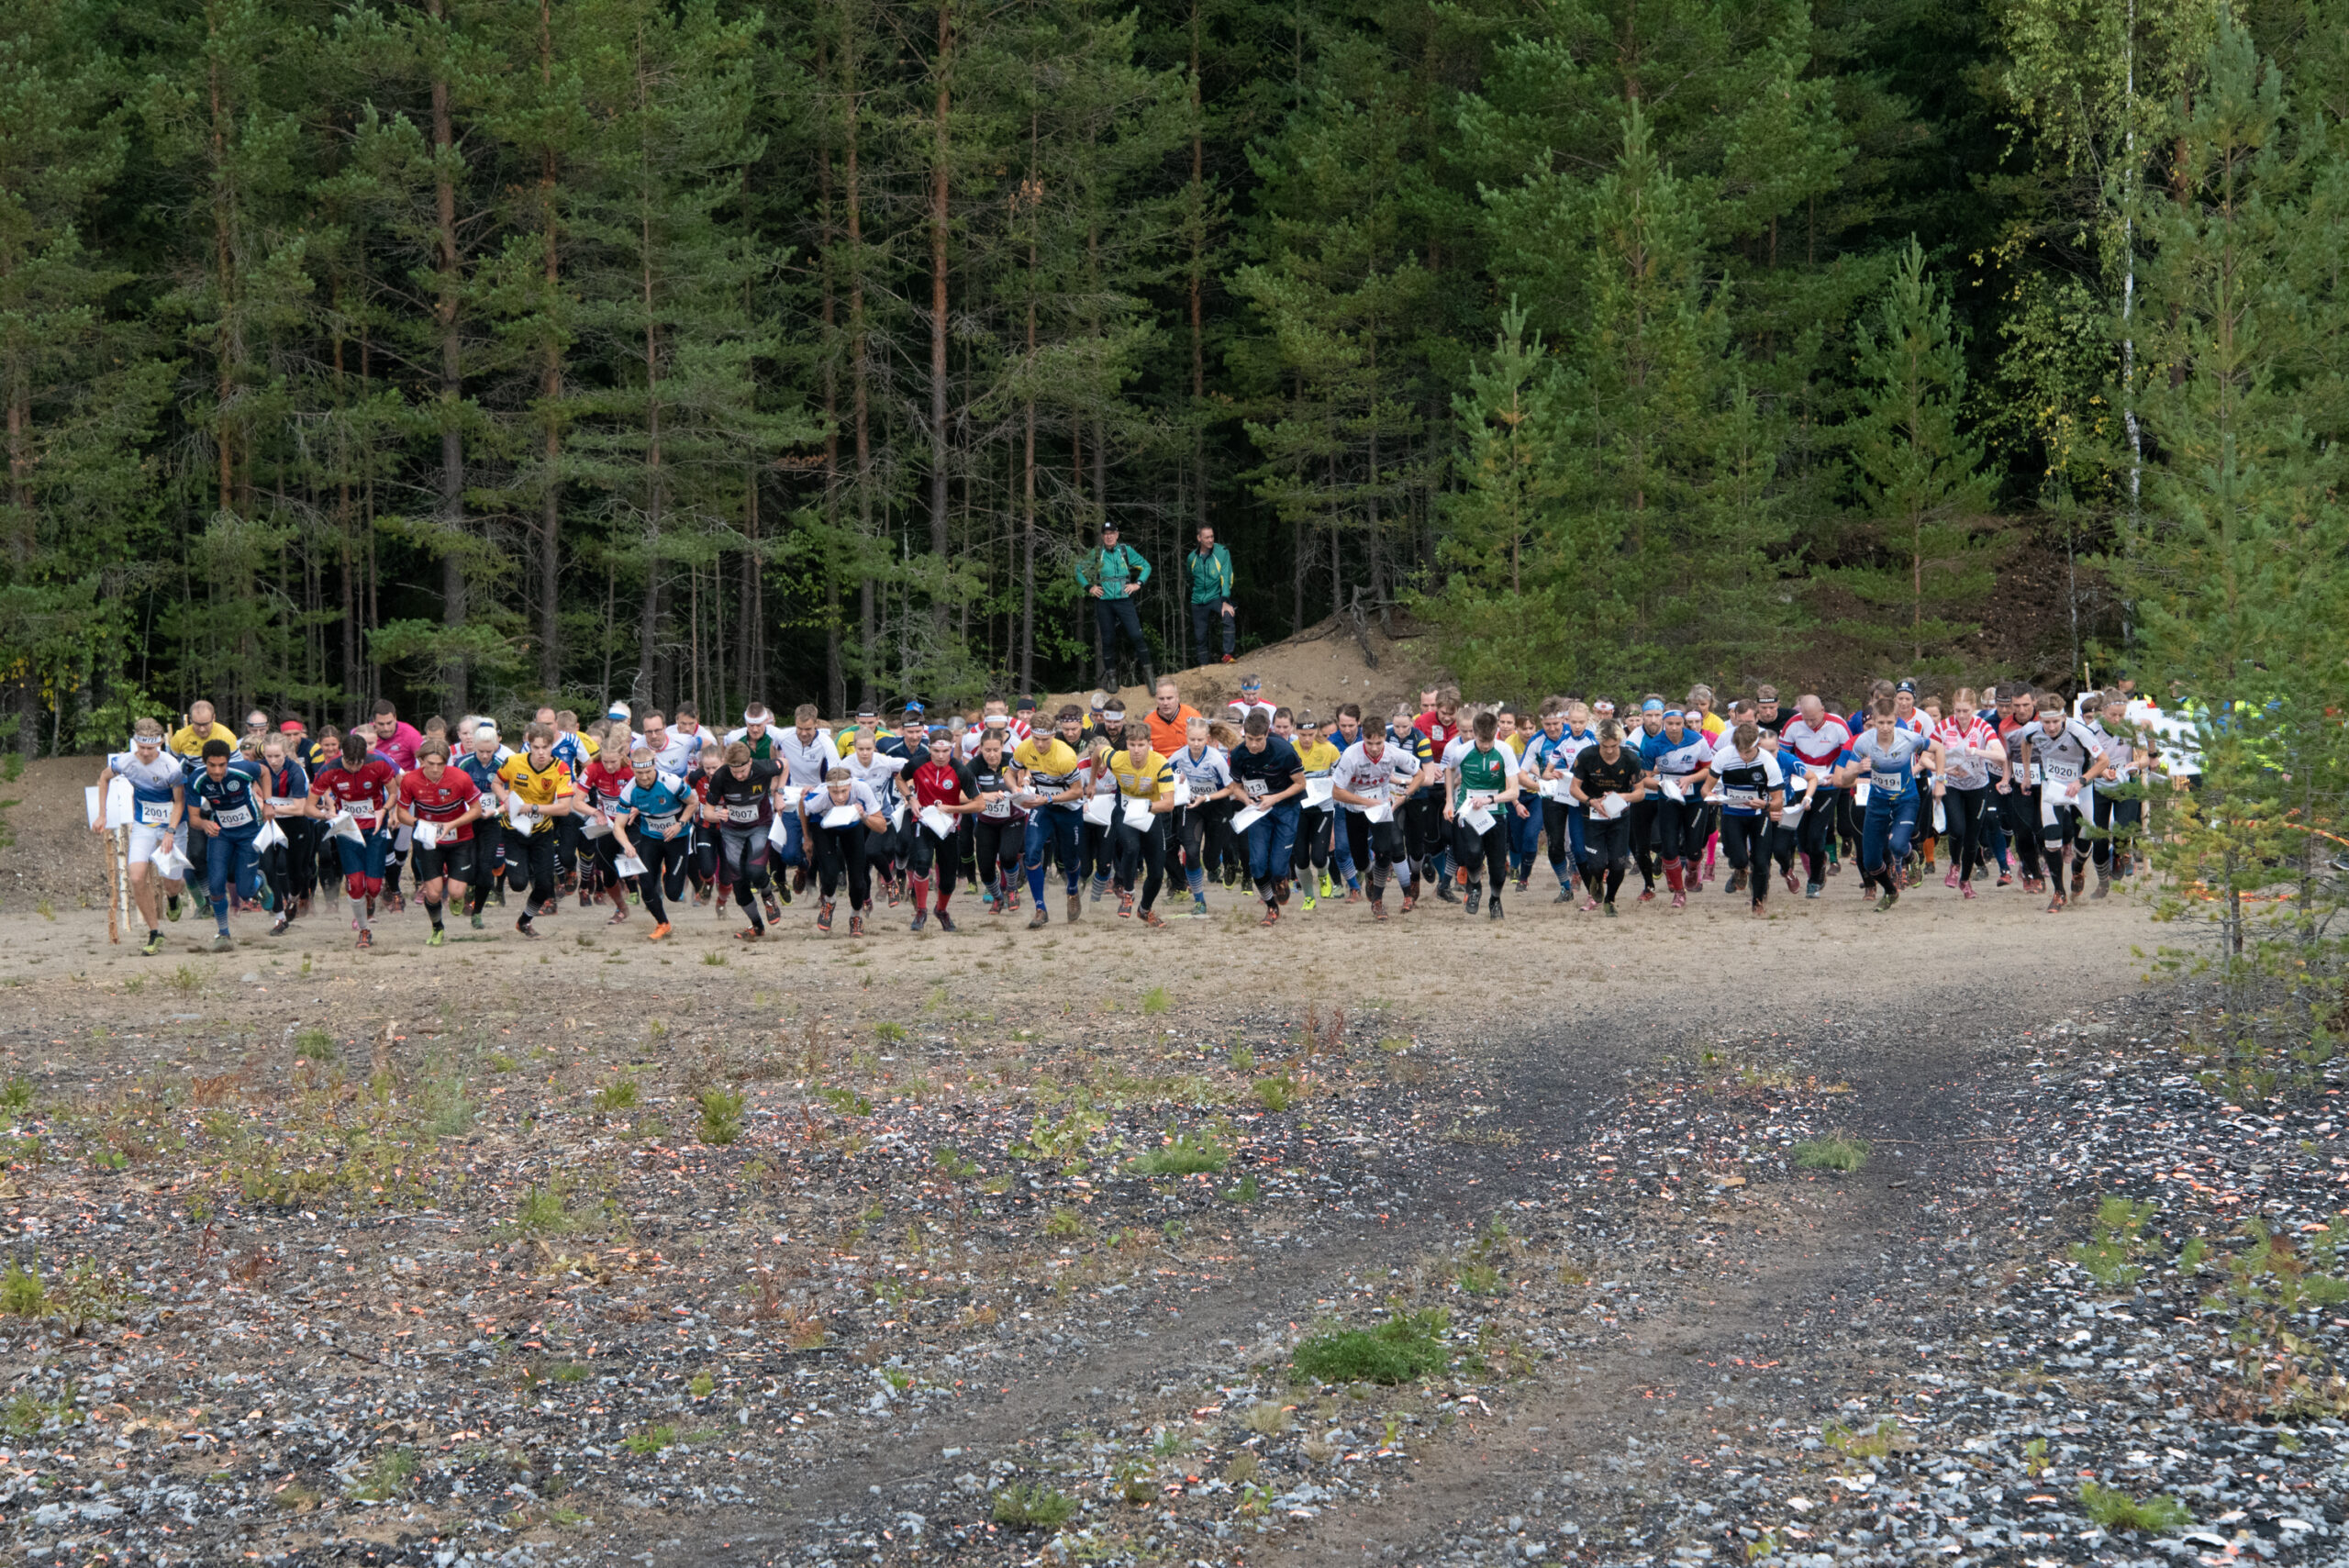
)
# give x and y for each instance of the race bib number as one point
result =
(2062, 772)
(742, 814)
(1255, 788)
(233, 817)
(154, 813)
(997, 810)
(662, 824)
(1889, 785)
(1742, 799)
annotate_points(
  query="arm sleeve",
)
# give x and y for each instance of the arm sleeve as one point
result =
(1083, 578)
(1141, 567)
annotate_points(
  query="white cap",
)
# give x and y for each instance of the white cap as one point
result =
(617, 710)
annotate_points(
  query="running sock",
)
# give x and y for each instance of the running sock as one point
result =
(921, 896)
(945, 892)
(1614, 882)
(434, 910)
(1036, 885)
(1671, 876)
(357, 911)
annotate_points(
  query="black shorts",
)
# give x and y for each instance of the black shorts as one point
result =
(442, 859)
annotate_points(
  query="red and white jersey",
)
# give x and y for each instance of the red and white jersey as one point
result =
(364, 791)
(443, 802)
(1963, 751)
(1820, 745)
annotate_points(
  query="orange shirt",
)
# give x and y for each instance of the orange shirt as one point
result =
(1168, 736)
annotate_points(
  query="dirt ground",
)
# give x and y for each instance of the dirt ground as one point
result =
(1011, 1247)
(1318, 669)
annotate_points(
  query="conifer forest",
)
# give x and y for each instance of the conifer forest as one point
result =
(476, 351)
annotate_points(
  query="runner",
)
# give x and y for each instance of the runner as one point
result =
(2018, 785)
(1608, 780)
(1201, 826)
(877, 770)
(1818, 740)
(439, 805)
(1053, 798)
(2118, 804)
(1170, 721)
(998, 829)
(942, 791)
(1751, 792)
(225, 801)
(1371, 779)
(361, 795)
(599, 795)
(481, 762)
(539, 794)
(1678, 758)
(285, 795)
(1267, 778)
(157, 800)
(1144, 782)
(1311, 857)
(1970, 750)
(841, 821)
(2065, 755)
(1889, 753)
(738, 802)
(1548, 765)
(650, 821)
(1480, 788)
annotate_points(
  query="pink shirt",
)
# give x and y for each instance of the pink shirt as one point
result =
(401, 744)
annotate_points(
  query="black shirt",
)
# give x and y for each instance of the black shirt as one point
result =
(745, 802)
(1600, 777)
(1267, 771)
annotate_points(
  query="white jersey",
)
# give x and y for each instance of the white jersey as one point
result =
(1381, 779)
(1208, 771)
(2063, 756)
(2120, 752)
(878, 776)
(803, 765)
(682, 750)
(860, 795)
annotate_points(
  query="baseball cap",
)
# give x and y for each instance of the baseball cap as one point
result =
(1908, 686)
(1109, 527)
(912, 706)
(1025, 705)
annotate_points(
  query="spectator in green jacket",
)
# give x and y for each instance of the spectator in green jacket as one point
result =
(1112, 574)
(1211, 595)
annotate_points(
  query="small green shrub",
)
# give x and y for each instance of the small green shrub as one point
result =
(545, 1211)
(1033, 1505)
(15, 1095)
(387, 1477)
(2113, 1510)
(1186, 1154)
(314, 1045)
(1407, 1346)
(1245, 1190)
(21, 1292)
(1836, 1151)
(651, 1439)
(620, 1094)
(1064, 1224)
(2115, 1237)
(722, 1115)
(1155, 1001)
(1276, 1093)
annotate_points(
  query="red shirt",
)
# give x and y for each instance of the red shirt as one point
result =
(604, 782)
(364, 791)
(443, 802)
(1431, 725)
(935, 785)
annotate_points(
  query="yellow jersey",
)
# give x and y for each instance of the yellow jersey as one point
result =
(538, 788)
(187, 741)
(1049, 761)
(1145, 777)
(1318, 758)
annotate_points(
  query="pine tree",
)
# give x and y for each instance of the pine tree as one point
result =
(1932, 554)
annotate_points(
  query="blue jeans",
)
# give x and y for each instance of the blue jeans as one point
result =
(231, 854)
(1272, 839)
(1063, 828)
(1524, 834)
(1884, 833)
(365, 858)
(1203, 620)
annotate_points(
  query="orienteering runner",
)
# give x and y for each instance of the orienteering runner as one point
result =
(2118, 806)
(2067, 758)
(1053, 798)
(1267, 777)
(1751, 792)
(157, 800)
(439, 803)
(1373, 775)
(940, 788)
(1311, 858)
(539, 794)
(225, 801)
(652, 824)
(842, 820)
(1889, 753)
(1608, 780)
(1201, 825)
(1144, 783)
(738, 802)
(1971, 751)
(1678, 758)
(360, 785)
(480, 764)
(1482, 786)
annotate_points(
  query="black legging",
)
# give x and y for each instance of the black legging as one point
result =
(1822, 811)
(996, 846)
(1143, 851)
(1745, 837)
(1424, 829)
(1642, 832)
(1560, 838)
(2019, 806)
(2115, 822)
(1487, 851)
(1313, 848)
(277, 871)
(665, 869)
(1374, 846)
(1962, 810)
(742, 857)
(490, 837)
(1680, 829)
(929, 849)
(842, 850)
(530, 864)
(1606, 852)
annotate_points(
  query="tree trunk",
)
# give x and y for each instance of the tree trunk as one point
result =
(453, 586)
(861, 398)
(550, 389)
(938, 216)
(224, 250)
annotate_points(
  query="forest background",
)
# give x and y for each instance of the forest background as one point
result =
(473, 352)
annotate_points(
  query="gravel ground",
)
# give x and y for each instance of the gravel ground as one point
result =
(340, 1266)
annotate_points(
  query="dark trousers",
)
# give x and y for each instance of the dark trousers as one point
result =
(1204, 619)
(1113, 618)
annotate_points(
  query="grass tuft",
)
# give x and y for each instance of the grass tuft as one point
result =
(722, 1115)
(2114, 1510)
(1186, 1154)
(1155, 1001)
(15, 1095)
(21, 1292)
(1276, 1093)
(1407, 1346)
(1033, 1505)
(621, 1094)
(1836, 1151)
(314, 1045)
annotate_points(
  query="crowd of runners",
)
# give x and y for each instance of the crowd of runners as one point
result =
(1435, 803)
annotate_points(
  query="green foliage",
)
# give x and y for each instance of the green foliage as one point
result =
(2115, 1510)
(1185, 1154)
(1276, 1093)
(1025, 1505)
(1836, 1151)
(15, 1095)
(1408, 1345)
(722, 1115)
(21, 1292)
(620, 1094)
(2116, 1239)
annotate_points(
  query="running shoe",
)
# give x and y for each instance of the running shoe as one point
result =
(2004, 879)
(824, 916)
(1680, 900)
(1966, 890)
(1042, 917)
(1951, 880)
(986, 896)
(1647, 894)
(172, 907)
(1152, 918)
(224, 942)
(1610, 909)
(477, 919)
(1410, 902)
(587, 900)
(2055, 904)
(1475, 896)
(1353, 895)
(438, 938)
(1794, 882)
(855, 925)
(1444, 890)
(522, 923)
(2079, 877)
(1524, 879)
(1565, 896)
(1493, 910)
(784, 891)
(1736, 883)
(1281, 890)
(619, 916)
(1891, 896)
(394, 902)
(1810, 890)
(1076, 907)
(750, 933)
(658, 933)
(920, 919)
(1199, 906)
(701, 896)
(775, 914)
(1272, 915)
(154, 945)
(894, 896)
(1327, 889)
(1590, 905)
(1310, 900)
(1761, 911)
(1377, 908)
(366, 941)
(1125, 905)
(945, 921)
(277, 927)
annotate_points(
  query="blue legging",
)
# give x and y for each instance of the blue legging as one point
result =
(232, 854)
(1061, 825)
(1272, 839)
(1885, 831)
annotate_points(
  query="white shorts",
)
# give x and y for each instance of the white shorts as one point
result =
(145, 840)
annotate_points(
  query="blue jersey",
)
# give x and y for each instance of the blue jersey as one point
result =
(1891, 769)
(1670, 759)
(233, 800)
(483, 771)
(660, 805)
(152, 785)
